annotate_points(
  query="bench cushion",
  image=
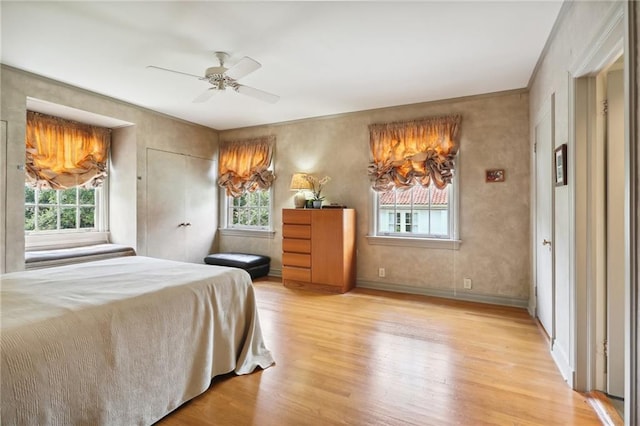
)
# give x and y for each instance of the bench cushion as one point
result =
(36, 259)
(256, 265)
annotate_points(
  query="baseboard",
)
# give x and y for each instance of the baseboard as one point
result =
(277, 273)
(448, 294)
(562, 362)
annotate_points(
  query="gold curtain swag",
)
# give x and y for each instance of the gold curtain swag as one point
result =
(244, 165)
(63, 154)
(416, 152)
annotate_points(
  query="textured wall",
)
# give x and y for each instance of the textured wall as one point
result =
(494, 217)
(151, 130)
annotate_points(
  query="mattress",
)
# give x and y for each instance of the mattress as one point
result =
(122, 341)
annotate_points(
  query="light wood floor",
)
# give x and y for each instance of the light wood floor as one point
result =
(375, 358)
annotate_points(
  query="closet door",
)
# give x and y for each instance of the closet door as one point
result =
(201, 208)
(166, 209)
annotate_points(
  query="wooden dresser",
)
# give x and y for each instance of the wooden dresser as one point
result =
(319, 249)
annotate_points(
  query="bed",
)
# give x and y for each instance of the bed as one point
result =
(122, 341)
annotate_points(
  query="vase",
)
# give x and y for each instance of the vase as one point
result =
(317, 204)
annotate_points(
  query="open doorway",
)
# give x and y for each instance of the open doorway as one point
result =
(600, 140)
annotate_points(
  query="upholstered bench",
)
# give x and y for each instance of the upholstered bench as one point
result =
(256, 265)
(37, 259)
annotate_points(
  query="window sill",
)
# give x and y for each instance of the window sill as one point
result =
(252, 233)
(433, 243)
(60, 239)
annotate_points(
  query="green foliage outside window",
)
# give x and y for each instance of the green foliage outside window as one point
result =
(50, 210)
(250, 210)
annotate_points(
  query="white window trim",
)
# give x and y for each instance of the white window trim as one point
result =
(226, 230)
(40, 240)
(244, 232)
(452, 243)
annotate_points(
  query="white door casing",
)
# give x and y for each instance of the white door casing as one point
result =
(544, 217)
(616, 261)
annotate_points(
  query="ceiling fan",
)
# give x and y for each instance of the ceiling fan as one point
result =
(222, 78)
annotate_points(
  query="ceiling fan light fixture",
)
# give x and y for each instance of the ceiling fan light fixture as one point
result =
(222, 78)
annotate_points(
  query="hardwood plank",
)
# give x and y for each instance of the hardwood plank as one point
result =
(374, 358)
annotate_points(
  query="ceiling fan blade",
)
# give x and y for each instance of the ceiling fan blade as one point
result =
(257, 93)
(205, 96)
(173, 71)
(244, 67)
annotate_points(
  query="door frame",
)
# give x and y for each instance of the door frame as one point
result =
(617, 36)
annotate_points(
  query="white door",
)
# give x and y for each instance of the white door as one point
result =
(201, 208)
(543, 234)
(166, 211)
(616, 264)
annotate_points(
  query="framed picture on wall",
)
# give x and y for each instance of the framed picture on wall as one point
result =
(561, 165)
(494, 175)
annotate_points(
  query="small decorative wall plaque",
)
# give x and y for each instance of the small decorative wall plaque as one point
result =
(494, 175)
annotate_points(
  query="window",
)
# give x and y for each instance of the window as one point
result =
(65, 190)
(245, 171)
(60, 210)
(251, 210)
(415, 212)
(412, 172)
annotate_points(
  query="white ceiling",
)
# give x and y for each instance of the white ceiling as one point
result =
(321, 58)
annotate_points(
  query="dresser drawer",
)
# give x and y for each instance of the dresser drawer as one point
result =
(296, 216)
(296, 259)
(296, 274)
(296, 231)
(292, 245)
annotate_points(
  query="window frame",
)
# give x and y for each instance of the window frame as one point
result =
(227, 229)
(452, 242)
(60, 238)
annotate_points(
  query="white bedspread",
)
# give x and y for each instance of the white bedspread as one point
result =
(122, 341)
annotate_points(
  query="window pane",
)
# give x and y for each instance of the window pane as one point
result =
(29, 194)
(87, 196)
(68, 196)
(68, 218)
(264, 217)
(87, 217)
(252, 198)
(47, 196)
(254, 217)
(421, 211)
(264, 199)
(240, 201)
(30, 219)
(251, 210)
(47, 219)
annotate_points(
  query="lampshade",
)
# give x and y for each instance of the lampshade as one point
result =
(299, 181)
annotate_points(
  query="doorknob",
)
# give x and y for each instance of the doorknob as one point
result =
(546, 242)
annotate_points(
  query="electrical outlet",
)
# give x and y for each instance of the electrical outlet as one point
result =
(467, 283)
(381, 272)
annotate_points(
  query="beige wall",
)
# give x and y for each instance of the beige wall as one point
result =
(494, 217)
(149, 130)
(494, 221)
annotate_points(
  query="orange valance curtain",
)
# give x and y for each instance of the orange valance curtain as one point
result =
(244, 165)
(63, 154)
(413, 153)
